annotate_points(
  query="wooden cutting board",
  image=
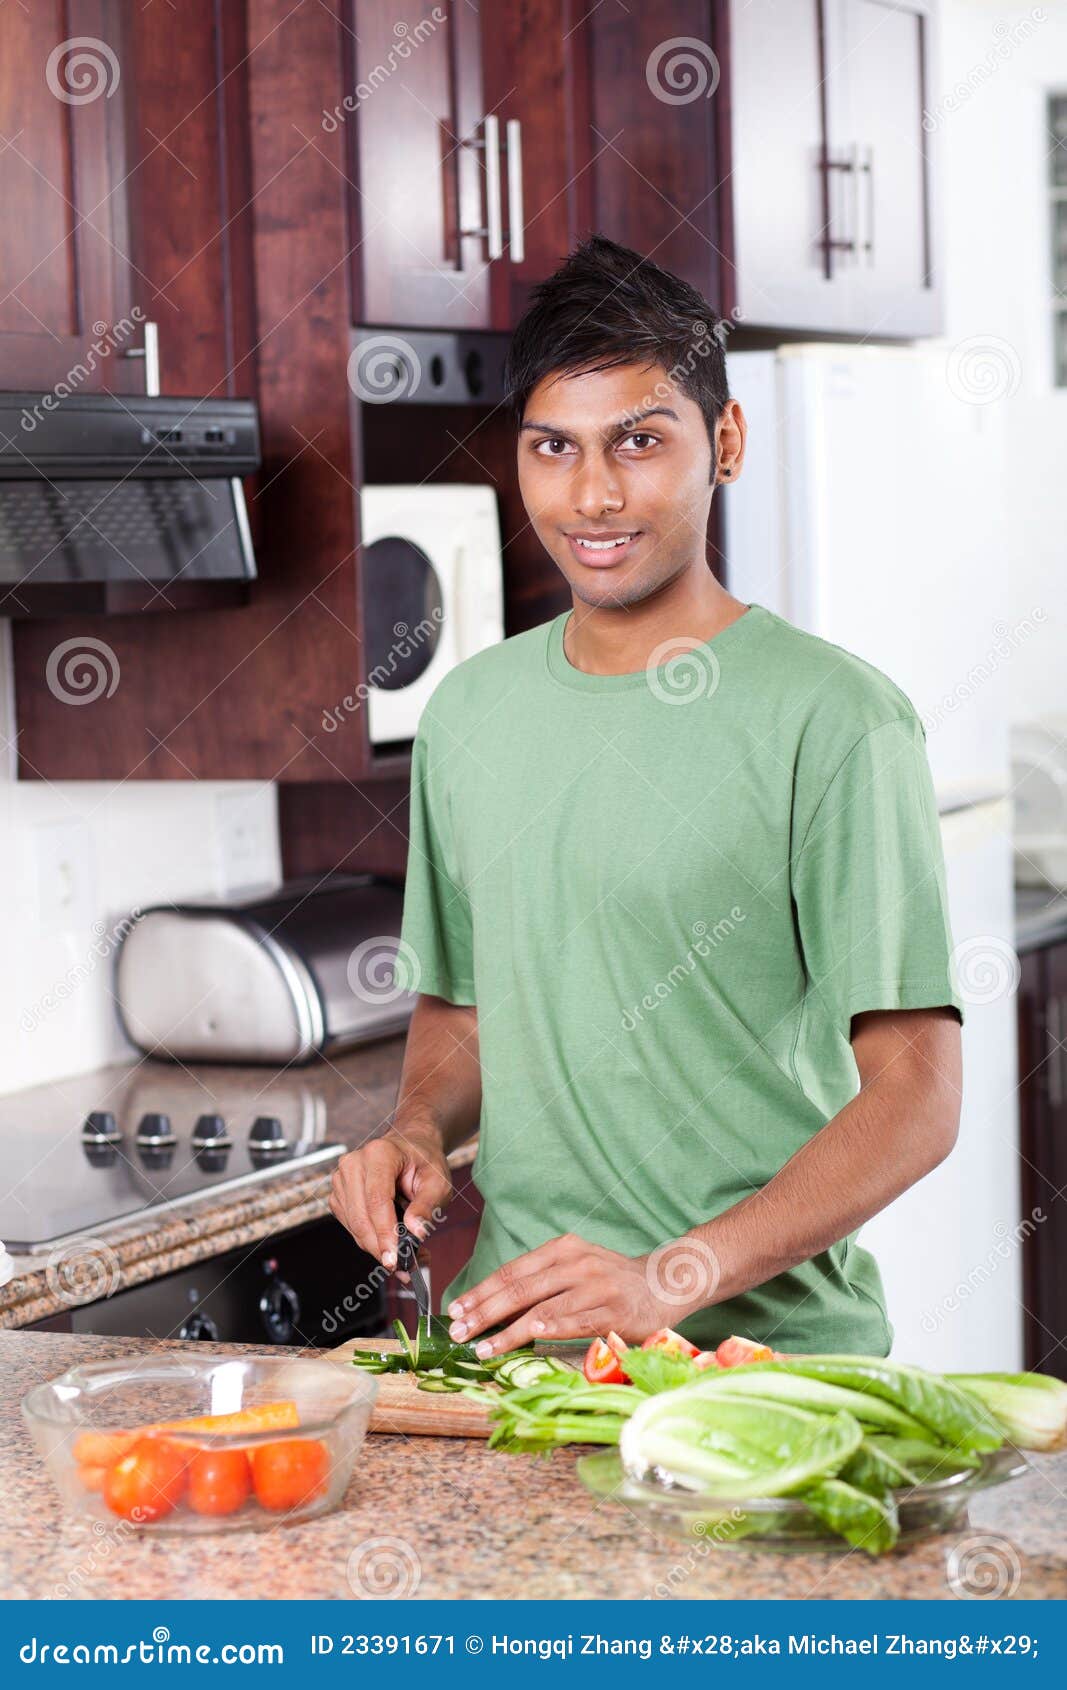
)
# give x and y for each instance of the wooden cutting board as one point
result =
(400, 1407)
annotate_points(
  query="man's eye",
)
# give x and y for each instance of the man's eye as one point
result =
(640, 442)
(553, 448)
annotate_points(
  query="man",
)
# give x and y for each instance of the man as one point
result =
(675, 883)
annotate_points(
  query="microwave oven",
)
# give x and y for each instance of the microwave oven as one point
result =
(431, 582)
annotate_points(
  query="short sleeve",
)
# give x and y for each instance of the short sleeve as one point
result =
(436, 933)
(869, 883)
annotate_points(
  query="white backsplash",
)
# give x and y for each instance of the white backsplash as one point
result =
(79, 857)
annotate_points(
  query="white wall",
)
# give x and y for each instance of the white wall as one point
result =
(78, 857)
(999, 62)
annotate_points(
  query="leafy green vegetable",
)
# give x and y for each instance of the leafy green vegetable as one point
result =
(735, 1446)
(864, 1520)
(929, 1462)
(658, 1370)
(874, 1469)
(953, 1415)
(1030, 1408)
(779, 1381)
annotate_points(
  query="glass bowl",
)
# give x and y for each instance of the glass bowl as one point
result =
(281, 1463)
(785, 1523)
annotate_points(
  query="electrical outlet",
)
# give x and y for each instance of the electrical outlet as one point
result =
(66, 878)
(245, 830)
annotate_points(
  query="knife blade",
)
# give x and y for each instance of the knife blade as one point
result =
(406, 1261)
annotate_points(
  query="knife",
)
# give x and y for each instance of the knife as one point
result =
(406, 1254)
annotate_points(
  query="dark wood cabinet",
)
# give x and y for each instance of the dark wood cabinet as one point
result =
(1043, 1147)
(66, 277)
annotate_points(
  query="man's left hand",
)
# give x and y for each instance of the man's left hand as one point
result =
(569, 1288)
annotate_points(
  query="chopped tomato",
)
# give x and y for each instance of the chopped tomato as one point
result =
(148, 1481)
(706, 1359)
(667, 1339)
(219, 1481)
(734, 1352)
(289, 1473)
(601, 1364)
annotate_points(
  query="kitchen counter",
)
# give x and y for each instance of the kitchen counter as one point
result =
(460, 1521)
(354, 1093)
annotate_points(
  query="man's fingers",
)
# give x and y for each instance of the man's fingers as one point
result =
(557, 1317)
(380, 1191)
(522, 1294)
(432, 1192)
(504, 1279)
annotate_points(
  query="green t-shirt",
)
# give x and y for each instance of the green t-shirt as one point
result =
(668, 892)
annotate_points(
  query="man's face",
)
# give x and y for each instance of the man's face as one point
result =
(615, 474)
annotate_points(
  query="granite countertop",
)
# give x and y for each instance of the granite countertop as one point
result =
(353, 1094)
(460, 1521)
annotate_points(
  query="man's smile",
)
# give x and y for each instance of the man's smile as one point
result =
(602, 548)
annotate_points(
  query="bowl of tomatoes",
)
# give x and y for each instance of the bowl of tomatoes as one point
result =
(201, 1443)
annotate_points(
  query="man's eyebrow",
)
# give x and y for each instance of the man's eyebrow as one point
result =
(630, 420)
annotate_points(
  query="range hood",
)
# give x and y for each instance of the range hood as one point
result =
(123, 504)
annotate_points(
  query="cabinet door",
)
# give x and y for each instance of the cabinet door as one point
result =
(791, 198)
(427, 195)
(535, 69)
(879, 64)
(65, 280)
(1045, 1168)
(656, 100)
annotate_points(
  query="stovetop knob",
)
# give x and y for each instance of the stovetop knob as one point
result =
(154, 1132)
(210, 1133)
(267, 1133)
(101, 1128)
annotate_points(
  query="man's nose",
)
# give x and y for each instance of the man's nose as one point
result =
(597, 490)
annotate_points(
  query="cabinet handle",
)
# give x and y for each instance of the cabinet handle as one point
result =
(848, 167)
(492, 230)
(516, 211)
(150, 353)
(1054, 1032)
(868, 243)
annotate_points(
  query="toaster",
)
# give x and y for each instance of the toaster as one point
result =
(306, 969)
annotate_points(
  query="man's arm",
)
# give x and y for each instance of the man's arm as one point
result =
(438, 1105)
(900, 1125)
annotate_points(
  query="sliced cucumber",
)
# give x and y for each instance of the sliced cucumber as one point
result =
(429, 1383)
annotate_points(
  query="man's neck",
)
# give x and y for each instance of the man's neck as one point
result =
(620, 639)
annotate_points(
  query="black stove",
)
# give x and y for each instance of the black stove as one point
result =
(82, 1155)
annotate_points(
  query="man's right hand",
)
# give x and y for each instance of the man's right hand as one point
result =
(407, 1162)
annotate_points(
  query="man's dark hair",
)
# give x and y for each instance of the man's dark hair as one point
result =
(605, 306)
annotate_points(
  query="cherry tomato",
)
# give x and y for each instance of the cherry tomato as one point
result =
(735, 1352)
(706, 1359)
(601, 1365)
(219, 1481)
(667, 1339)
(289, 1473)
(148, 1481)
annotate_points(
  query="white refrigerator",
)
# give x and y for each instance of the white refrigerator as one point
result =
(868, 512)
